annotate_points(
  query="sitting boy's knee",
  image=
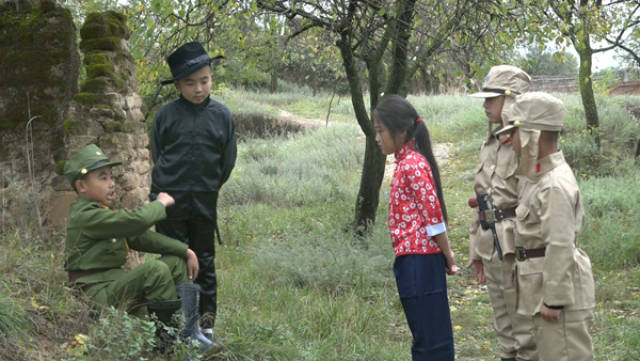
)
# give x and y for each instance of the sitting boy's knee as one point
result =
(156, 267)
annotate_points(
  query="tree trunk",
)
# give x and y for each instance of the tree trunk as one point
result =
(398, 78)
(586, 92)
(273, 86)
(370, 182)
(374, 161)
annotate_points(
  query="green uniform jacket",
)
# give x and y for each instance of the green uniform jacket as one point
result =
(96, 238)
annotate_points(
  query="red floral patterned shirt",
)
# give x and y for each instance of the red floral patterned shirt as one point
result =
(415, 216)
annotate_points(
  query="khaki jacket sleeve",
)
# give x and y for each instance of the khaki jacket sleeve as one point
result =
(558, 221)
(473, 235)
(154, 242)
(100, 224)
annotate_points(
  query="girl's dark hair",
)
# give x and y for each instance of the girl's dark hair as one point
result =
(398, 115)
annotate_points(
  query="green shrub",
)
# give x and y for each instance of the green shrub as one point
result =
(296, 171)
(12, 317)
(452, 118)
(326, 258)
(612, 233)
(618, 131)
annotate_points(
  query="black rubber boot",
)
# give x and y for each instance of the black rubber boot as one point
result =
(189, 296)
(508, 359)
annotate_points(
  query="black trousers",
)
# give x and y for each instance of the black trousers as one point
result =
(198, 234)
(422, 287)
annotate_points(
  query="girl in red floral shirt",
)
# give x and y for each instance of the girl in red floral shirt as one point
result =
(417, 223)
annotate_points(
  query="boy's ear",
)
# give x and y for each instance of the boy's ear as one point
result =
(79, 185)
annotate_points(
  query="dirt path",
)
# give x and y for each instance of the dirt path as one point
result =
(307, 123)
(440, 150)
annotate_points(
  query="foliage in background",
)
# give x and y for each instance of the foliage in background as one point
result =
(582, 24)
(539, 61)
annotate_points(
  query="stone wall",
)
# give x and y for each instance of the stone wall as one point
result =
(42, 60)
(107, 110)
(38, 77)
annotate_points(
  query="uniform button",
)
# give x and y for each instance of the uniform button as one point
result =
(113, 240)
(493, 166)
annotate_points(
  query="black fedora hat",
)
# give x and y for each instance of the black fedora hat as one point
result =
(187, 59)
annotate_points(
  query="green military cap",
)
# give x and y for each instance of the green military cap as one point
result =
(84, 161)
(536, 110)
(504, 80)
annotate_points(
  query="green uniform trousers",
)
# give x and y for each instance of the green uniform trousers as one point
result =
(567, 339)
(151, 281)
(516, 333)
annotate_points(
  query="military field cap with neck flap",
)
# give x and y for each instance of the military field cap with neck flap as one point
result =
(84, 161)
(504, 80)
(536, 110)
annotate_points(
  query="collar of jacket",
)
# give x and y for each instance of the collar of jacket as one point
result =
(546, 164)
(190, 105)
(409, 146)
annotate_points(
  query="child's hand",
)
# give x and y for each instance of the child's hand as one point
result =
(452, 269)
(165, 199)
(478, 270)
(193, 266)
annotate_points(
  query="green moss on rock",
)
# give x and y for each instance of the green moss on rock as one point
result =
(38, 59)
(95, 30)
(114, 126)
(109, 43)
(120, 126)
(97, 85)
(96, 58)
(60, 167)
(104, 24)
(88, 99)
(67, 124)
(96, 70)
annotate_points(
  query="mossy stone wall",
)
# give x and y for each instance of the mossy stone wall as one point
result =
(39, 67)
(39, 63)
(39, 58)
(107, 109)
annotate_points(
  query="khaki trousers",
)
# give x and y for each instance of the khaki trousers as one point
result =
(567, 339)
(516, 333)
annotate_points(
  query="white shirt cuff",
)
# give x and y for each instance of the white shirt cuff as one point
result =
(436, 229)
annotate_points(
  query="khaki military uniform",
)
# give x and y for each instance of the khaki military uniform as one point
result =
(550, 216)
(495, 176)
(97, 243)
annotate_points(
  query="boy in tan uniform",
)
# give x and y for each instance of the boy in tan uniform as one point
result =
(555, 283)
(495, 181)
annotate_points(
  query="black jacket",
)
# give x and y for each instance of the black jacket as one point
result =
(194, 150)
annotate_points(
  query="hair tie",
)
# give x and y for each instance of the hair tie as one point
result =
(419, 120)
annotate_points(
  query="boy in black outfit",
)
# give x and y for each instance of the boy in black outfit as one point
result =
(193, 148)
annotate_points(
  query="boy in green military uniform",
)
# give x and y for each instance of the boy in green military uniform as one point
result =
(491, 248)
(554, 277)
(98, 239)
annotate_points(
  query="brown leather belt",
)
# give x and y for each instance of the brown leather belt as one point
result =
(501, 213)
(74, 275)
(504, 213)
(524, 253)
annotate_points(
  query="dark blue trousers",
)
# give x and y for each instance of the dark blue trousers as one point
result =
(422, 287)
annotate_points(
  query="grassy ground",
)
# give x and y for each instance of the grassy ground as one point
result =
(294, 285)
